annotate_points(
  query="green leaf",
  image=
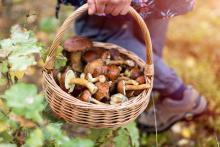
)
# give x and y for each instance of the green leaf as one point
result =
(4, 67)
(53, 133)
(7, 145)
(20, 48)
(3, 81)
(60, 61)
(36, 139)
(133, 133)
(24, 101)
(6, 136)
(122, 138)
(49, 24)
(20, 63)
(101, 136)
(79, 142)
(7, 47)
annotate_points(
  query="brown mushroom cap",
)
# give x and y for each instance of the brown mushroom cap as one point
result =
(91, 66)
(103, 90)
(140, 79)
(100, 70)
(77, 43)
(113, 72)
(90, 56)
(135, 72)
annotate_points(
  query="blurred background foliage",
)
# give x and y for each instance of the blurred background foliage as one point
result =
(192, 48)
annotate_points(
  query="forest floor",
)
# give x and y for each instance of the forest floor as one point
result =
(192, 49)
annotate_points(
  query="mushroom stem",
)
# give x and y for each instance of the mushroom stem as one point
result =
(137, 87)
(75, 60)
(92, 88)
(87, 97)
(120, 62)
(100, 78)
(131, 82)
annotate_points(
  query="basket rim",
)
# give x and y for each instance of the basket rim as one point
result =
(78, 103)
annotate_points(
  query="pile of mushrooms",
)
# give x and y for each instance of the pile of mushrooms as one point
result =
(99, 76)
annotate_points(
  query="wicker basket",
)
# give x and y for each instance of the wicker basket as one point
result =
(91, 115)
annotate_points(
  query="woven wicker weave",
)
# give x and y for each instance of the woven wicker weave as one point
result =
(91, 115)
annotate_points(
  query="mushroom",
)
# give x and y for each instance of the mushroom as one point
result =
(122, 87)
(71, 81)
(93, 54)
(76, 45)
(112, 72)
(103, 90)
(105, 55)
(87, 97)
(69, 75)
(118, 98)
(100, 70)
(120, 62)
(100, 78)
(141, 79)
(91, 66)
(82, 75)
(133, 73)
(115, 54)
(83, 82)
(90, 56)
(75, 61)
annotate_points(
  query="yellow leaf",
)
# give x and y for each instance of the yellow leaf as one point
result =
(30, 71)
(41, 63)
(3, 126)
(17, 74)
(186, 132)
(3, 107)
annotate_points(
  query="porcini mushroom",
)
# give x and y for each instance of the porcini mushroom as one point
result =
(122, 87)
(76, 45)
(87, 97)
(91, 66)
(112, 72)
(90, 56)
(68, 77)
(118, 99)
(115, 54)
(140, 79)
(130, 63)
(133, 73)
(100, 78)
(103, 90)
(71, 81)
(83, 82)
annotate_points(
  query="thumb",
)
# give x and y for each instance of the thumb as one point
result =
(92, 7)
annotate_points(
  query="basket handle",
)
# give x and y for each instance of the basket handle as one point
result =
(49, 65)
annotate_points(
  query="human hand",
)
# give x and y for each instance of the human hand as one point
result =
(113, 7)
